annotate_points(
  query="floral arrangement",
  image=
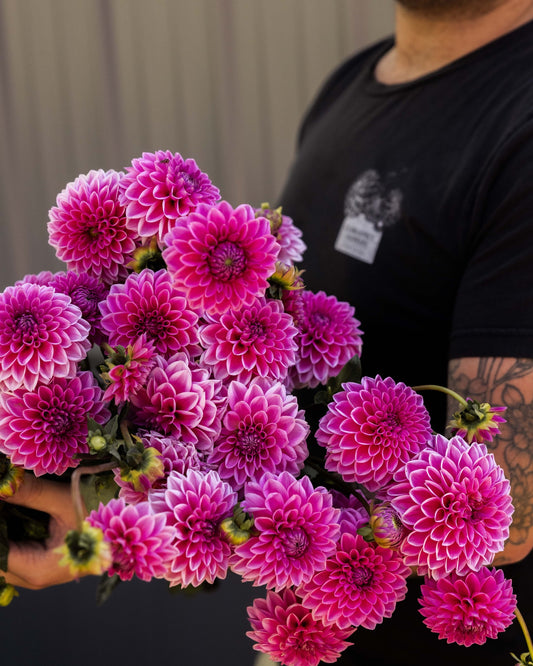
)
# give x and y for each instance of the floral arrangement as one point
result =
(211, 412)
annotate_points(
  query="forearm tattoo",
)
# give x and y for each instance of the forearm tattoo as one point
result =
(507, 382)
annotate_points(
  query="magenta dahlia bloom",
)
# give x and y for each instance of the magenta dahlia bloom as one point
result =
(455, 501)
(258, 341)
(288, 632)
(44, 429)
(353, 514)
(161, 187)
(129, 376)
(148, 304)
(195, 504)
(180, 400)
(296, 531)
(372, 429)
(42, 335)
(88, 229)
(177, 456)
(86, 292)
(360, 584)
(140, 540)
(43, 278)
(289, 237)
(468, 609)
(262, 431)
(221, 257)
(329, 337)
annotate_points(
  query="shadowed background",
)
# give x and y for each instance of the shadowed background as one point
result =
(90, 84)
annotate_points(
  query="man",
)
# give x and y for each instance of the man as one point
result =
(413, 184)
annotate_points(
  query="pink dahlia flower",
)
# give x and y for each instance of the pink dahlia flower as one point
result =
(221, 257)
(43, 278)
(44, 429)
(129, 376)
(161, 187)
(88, 229)
(258, 341)
(195, 504)
(289, 237)
(140, 540)
(353, 515)
(147, 304)
(372, 429)
(455, 501)
(469, 609)
(288, 632)
(297, 529)
(180, 400)
(176, 456)
(360, 584)
(262, 431)
(86, 292)
(42, 335)
(329, 337)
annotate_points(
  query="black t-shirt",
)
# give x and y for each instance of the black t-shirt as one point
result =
(416, 202)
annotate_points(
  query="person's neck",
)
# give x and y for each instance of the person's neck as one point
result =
(424, 44)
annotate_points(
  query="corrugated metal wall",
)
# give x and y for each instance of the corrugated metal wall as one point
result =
(93, 83)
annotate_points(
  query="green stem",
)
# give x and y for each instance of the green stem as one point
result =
(77, 501)
(525, 630)
(126, 434)
(338, 481)
(442, 389)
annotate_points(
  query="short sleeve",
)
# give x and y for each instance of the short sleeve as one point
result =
(493, 313)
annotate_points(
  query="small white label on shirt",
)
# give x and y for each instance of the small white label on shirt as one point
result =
(358, 238)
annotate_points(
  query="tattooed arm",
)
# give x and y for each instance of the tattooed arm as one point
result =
(507, 382)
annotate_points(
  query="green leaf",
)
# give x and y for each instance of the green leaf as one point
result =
(351, 372)
(105, 587)
(96, 488)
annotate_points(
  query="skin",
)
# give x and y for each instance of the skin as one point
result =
(34, 566)
(429, 35)
(427, 40)
(507, 382)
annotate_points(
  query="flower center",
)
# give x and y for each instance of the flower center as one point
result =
(319, 322)
(361, 576)
(227, 261)
(27, 327)
(252, 332)
(59, 421)
(250, 441)
(151, 323)
(296, 542)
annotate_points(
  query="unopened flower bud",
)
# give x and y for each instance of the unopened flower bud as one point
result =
(85, 551)
(477, 422)
(238, 528)
(11, 477)
(97, 443)
(273, 215)
(144, 466)
(7, 592)
(387, 528)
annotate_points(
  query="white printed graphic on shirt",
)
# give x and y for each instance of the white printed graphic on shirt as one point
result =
(369, 208)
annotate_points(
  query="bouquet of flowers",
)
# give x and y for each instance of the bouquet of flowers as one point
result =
(211, 412)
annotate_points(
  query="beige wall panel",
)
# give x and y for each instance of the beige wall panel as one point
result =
(88, 84)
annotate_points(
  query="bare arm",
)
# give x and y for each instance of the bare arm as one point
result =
(507, 382)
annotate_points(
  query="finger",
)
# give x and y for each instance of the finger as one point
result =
(41, 494)
(34, 567)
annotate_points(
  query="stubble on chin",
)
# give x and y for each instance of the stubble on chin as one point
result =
(451, 9)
